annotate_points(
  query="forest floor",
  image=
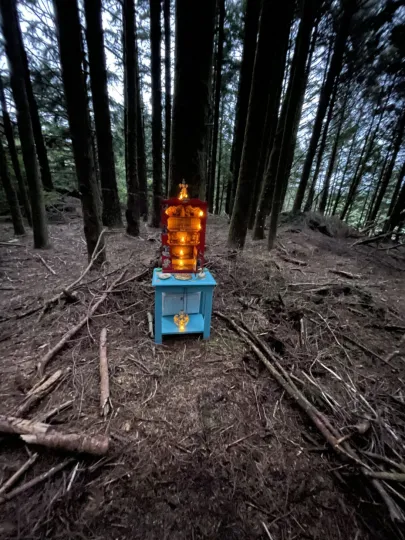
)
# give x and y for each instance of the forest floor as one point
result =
(205, 444)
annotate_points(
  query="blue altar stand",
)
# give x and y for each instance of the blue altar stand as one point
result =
(193, 297)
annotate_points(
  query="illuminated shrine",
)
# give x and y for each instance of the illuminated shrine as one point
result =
(183, 287)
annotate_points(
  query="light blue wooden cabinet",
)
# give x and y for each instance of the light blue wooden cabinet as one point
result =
(194, 297)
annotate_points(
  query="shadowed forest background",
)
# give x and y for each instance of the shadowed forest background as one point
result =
(260, 108)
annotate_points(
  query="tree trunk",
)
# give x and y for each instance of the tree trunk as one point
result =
(11, 195)
(388, 171)
(217, 99)
(42, 153)
(111, 214)
(133, 208)
(13, 50)
(329, 172)
(335, 175)
(293, 101)
(272, 35)
(140, 141)
(397, 217)
(217, 201)
(155, 39)
(194, 42)
(71, 56)
(301, 58)
(8, 130)
(378, 185)
(364, 154)
(298, 66)
(324, 98)
(348, 162)
(245, 81)
(273, 105)
(397, 189)
(168, 91)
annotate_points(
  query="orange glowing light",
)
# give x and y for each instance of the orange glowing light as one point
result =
(201, 213)
(183, 239)
(183, 191)
(181, 252)
(181, 263)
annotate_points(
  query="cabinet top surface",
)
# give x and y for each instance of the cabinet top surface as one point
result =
(173, 282)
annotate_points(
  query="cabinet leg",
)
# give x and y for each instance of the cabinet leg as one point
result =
(207, 314)
(158, 317)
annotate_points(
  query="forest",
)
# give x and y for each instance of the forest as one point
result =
(304, 115)
(288, 119)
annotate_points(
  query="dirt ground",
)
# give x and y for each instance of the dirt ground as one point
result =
(204, 442)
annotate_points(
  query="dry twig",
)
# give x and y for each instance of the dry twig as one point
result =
(37, 480)
(104, 379)
(17, 475)
(68, 335)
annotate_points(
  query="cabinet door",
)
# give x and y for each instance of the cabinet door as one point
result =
(192, 302)
(172, 303)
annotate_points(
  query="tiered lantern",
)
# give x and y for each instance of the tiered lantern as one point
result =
(183, 233)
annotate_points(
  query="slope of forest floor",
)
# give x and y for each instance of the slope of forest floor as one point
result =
(204, 442)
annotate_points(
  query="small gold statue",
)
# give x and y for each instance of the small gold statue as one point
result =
(183, 191)
(181, 320)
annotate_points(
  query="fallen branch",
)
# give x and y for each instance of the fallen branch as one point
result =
(319, 420)
(44, 434)
(384, 475)
(363, 348)
(72, 442)
(150, 324)
(43, 261)
(68, 335)
(371, 239)
(46, 416)
(39, 391)
(17, 475)
(37, 480)
(293, 261)
(104, 380)
(69, 288)
(345, 274)
(11, 424)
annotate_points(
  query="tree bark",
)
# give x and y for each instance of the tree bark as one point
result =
(8, 12)
(217, 200)
(271, 37)
(11, 195)
(194, 42)
(324, 98)
(245, 81)
(397, 189)
(364, 155)
(329, 172)
(168, 90)
(133, 208)
(155, 39)
(321, 150)
(42, 153)
(399, 133)
(302, 62)
(397, 217)
(8, 130)
(217, 99)
(378, 185)
(293, 100)
(140, 141)
(71, 56)
(111, 213)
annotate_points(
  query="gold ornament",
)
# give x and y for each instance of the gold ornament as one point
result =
(181, 320)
